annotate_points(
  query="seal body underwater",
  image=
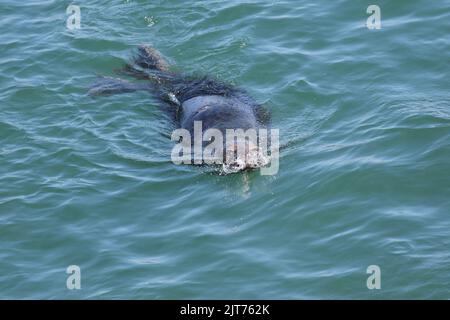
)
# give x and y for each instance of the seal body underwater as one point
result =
(191, 99)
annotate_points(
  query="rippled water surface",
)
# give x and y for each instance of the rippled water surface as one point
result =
(364, 180)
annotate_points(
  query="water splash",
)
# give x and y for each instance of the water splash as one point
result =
(255, 159)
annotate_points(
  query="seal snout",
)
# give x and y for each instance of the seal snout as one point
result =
(244, 155)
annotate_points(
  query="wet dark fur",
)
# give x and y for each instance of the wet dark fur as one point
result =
(149, 65)
(189, 100)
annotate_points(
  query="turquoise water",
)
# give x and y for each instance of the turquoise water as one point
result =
(364, 180)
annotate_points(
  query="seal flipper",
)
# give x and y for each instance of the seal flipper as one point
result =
(108, 86)
(148, 64)
(150, 58)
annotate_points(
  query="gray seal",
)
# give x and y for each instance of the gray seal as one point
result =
(187, 99)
